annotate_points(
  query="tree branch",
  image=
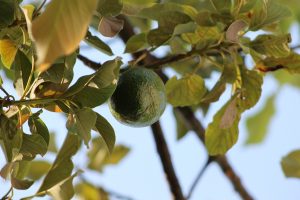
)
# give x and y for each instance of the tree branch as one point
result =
(192, 122)
(197, 179)
(165, 158)
(89, 63)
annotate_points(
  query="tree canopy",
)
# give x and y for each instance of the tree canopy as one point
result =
(239, 40)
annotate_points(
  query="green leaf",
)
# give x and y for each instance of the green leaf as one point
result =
(98, 44)
(81, 123)
(64, 190)
(10, 137)
(186, 91)
(37, 126)
(257, 124)
(158, 37)
(37, 169)
(62, 167)
(268, 12)
(33, 145)
(181, 128)
(106, 131)
(203, 36)
(110, 8)
(60, 28)
(290, 63)
(136, 43)
(276, 46)
(222, 133)
(291, 164)
(7, 10)
(100, 85)
(22, 67)
(250, 89)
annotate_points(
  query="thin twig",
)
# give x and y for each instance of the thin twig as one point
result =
(165, 157)
(7, 193)
(36, 12)
(197, 179)
(89, 63)
(192, 122)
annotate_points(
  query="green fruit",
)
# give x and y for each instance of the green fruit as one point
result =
(139, 99)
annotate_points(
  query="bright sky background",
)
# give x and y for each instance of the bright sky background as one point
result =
(140, 174)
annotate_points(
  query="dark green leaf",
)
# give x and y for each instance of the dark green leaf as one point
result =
(97, 43)
(93, 90)
(33, 145)
(37, 126)
(106, 131)
(22, 67)
(7, 10)
(62, 167)
(181, 128)
(11, 137)
(81, 123)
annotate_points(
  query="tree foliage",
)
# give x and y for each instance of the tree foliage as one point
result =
(40, 44)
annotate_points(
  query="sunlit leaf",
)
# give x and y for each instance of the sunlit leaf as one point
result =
(60, 28)
(186, 91)
(8, 51)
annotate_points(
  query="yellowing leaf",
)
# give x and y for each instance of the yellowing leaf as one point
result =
(59, 30)
(186, 91)
(8, 51)
(28, 12)
(222, 133)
